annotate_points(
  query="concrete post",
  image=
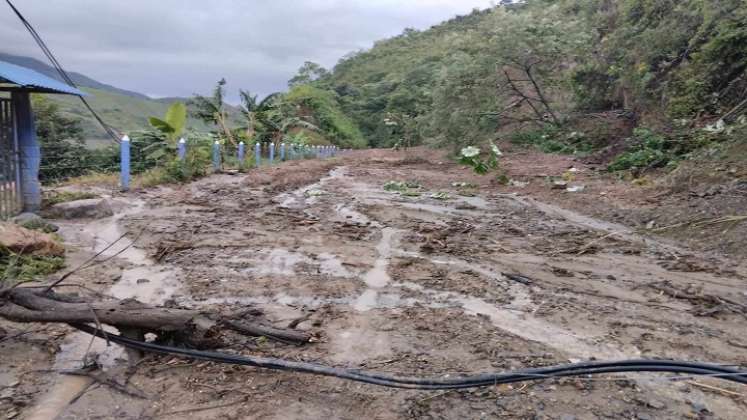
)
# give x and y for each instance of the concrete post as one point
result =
(257, 154)
(241, 154)
(216, 156)
(282, 152)
(124, 163)
(182, 149)
(29, 150)
(272, 153)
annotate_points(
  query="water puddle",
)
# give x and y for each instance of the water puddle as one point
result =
(282, 262)
(347, 213)
(378, 277)
(143, 281)
(302, 197)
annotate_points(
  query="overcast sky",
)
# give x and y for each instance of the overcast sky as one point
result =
(179, 47)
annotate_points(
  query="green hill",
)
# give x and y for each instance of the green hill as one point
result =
(122, 112)
(542, 66)
(122, 109)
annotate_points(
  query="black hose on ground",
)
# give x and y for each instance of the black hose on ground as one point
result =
(524, 375)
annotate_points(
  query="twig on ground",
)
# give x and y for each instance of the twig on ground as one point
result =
(703, 223)
(196, 409)
(716, 389)
(104, 379)
(83, 265)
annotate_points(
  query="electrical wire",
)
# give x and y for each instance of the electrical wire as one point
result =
(480, 380)
(60, 70)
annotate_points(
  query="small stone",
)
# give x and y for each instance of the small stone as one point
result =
(656, 404)
(141, 281)
(559, 185)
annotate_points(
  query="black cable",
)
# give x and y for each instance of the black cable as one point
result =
(57, 66)
(534, 374)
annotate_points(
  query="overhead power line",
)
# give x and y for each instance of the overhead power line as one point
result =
(61, 71)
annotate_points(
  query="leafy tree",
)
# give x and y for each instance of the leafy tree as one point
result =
(61, 139)
(308, 73)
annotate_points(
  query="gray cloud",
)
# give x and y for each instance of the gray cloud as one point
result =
(176, 48)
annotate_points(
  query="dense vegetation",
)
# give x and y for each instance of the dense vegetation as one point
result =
(654, 80)
(532, 71)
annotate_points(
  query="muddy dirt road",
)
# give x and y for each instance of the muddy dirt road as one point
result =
(486, 280)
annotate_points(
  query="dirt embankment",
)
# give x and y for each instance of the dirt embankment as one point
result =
(493, 278)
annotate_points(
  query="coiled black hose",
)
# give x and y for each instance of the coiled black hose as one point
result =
(534, 374)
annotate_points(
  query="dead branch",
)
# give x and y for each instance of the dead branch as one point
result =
(542, 98)
(106, 380)
(186, 326)
(259, 330)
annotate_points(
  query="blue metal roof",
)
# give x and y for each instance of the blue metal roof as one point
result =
(33, 81)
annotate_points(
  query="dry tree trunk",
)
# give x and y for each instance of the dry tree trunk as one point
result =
(191, 328)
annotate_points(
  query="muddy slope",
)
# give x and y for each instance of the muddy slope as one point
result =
(412, 285)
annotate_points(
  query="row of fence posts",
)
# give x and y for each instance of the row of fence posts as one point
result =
(290, 152)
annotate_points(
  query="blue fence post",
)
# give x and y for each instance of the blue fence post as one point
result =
(28, 157)
(216, 156)
(182, 148)
(282, 152)
(124, 165)
(257, 154)
(241, 154)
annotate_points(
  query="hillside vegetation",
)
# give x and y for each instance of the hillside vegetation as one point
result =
(123, 112)
(565, 75)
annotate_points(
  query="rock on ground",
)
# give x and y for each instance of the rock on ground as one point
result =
(28, 242)
(34, 222)
(94, 208)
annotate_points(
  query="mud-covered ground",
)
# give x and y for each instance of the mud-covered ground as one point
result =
(492, 278)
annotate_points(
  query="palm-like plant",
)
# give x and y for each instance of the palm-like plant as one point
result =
(277, 118)
(212, 109)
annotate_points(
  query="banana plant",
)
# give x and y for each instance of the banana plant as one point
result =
(171, 126)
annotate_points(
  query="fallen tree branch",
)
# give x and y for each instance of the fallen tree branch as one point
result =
(255, 329)
(186, 326)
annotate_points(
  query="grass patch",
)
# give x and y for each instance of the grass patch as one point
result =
(16, 268)
(94, 179)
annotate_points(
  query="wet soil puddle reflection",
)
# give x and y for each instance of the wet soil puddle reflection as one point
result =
(145, 281)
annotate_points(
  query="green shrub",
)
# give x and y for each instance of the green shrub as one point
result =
(649, 150)
(553, 140)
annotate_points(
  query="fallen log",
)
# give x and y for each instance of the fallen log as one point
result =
(188, 327)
